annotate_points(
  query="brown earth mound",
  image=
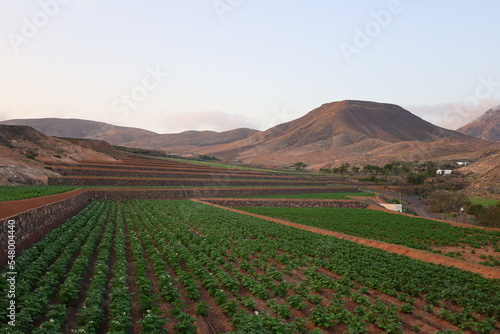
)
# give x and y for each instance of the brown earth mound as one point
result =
(23, 151)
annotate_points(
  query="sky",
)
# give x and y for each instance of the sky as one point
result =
(170, 66)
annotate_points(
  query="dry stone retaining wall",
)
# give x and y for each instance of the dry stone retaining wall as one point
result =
(31, 225)
(151, 182)
(286, 203)
(34, 224)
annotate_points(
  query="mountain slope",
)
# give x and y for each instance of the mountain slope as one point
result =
(346, 129)
(191, 141)
(78, 128)
(23, 151)
(486, 126)
(358, 132)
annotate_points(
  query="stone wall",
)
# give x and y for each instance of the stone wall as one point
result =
(124, 194)
(287, 203)
(34, 224)
(151, 182)
(140, 173)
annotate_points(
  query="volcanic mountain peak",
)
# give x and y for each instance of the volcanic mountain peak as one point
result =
(361, 119)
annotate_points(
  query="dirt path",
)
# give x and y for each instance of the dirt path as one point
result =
(419, 207)
(485, 271)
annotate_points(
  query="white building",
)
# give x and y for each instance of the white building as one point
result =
(393, 207)
(444, 171)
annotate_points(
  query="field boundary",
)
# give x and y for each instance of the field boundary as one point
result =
(33, 223)
(485, 271)
(286, 202)
(35, 217)
(379, 208)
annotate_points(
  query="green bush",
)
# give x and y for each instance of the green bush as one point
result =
(489, 216)
(448, 201)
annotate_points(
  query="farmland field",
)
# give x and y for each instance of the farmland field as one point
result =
(412, 232)
(152, 266)
(319, 195)
(14, 193)
(483, 201)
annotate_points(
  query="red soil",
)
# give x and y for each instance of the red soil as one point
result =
(13, 208)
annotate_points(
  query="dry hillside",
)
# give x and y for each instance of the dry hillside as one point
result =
(23, 151)
(486, 127)
(352, 131)
(79, 128)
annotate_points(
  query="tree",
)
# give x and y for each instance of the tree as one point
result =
(343, 169)
(417, 178)
(448, 201)
(300, 165)
(326, 169)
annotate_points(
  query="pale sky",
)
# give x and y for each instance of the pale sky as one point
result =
(170, 66)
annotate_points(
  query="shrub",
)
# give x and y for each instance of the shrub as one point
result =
(488, 216)
(417, 178)
(447, 201)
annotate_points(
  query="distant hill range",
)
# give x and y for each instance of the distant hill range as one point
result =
(348, 131)
(79, 128)
(486, 126)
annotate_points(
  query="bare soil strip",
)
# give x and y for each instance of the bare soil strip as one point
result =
(485, 271)
(12, 208)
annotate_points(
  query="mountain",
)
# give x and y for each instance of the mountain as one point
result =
(349, 130)
(484, 174)
(191, 141)
(23, 152)
(78, 128)
(358, 132)
(486, 126)
(184, 142)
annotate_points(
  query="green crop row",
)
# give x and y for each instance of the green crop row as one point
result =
(190, 260)
(248, 238)
(412, 232)
(15, 193)
(318, 195)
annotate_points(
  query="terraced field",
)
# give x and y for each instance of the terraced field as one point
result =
(186, 267)
(168, 173)
(179, 266)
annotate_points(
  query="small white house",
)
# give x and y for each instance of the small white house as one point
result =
(393, 207)
(462, 163)
(444, 171)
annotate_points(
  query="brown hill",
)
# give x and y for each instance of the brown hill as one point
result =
(349, 131)
(23, 151)
(485, 175)
(99, 146)
(191, 141)
(358, 132)
(78, 128)
(486, 126)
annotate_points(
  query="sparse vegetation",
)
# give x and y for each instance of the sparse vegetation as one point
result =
(205, 157)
